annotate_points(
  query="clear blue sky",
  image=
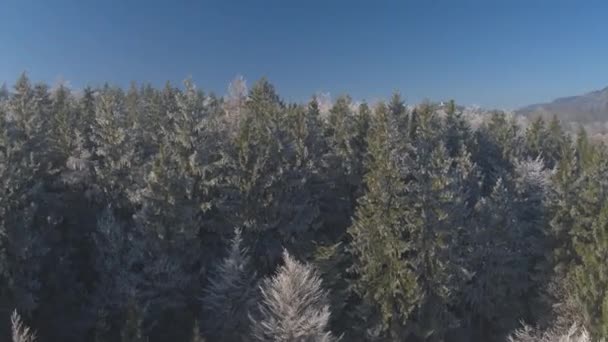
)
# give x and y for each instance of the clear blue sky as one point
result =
(496, 53)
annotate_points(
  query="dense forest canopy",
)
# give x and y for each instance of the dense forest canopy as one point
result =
(171, 214)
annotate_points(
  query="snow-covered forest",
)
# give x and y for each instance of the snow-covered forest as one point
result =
(172, 214)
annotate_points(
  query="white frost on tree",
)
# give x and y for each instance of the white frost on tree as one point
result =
(230, 294)
(533, 175)
(325, 103)
(20, 331)
(574, 333)
(234, 102)
(294, 306)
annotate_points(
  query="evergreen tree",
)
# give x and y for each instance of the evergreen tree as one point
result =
(114, 152)
(458, 132)
(341, 158)
(64, 125)
(23, 242)
(564, 193)
(588, 234)
(28, 118)
(230, 295)
(508, 248)
(536, 135)
(359, 144)
(398, 112)
(21, 332)
(294, 306)
(275, 203)
(119, 251)
(497, 147)
(585, 150)
(590, 275)
(4, 93)
(378, 240)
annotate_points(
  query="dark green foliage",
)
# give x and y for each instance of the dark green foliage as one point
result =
(497, 146)
(590, 275)
(274, 202)
(230, 296)
(458, 134)
(384, 277)
(117, 207)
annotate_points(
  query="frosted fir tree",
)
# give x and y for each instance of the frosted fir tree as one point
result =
(230, 295)
(294, 306)
(20, 331)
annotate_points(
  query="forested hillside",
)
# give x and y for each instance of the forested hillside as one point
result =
(590, 110)
(171, 214)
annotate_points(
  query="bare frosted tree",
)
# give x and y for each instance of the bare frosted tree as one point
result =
(20, 331)
(235, 101)
(294, 307)
(229, 296)
(325, 103)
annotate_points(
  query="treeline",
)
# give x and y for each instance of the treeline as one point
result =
(176, 215)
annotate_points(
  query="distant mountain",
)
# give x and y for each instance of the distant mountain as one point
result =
(584, 109)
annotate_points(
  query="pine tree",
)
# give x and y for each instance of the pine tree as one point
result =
(378, 244)
(234, 103)
(114, 155)
(359, 145)
(230, 295)
(458, 134)
(398, 112)
(507, 249)
(275, 204)
(23, 244)
(564, 193)
(20, 331)
(536, 135)
(27, 107)
(294, 306)
(341, 158)
(574, 333)
(64, 125)
(547, 142)
(590, 276)
(498, 145)
(585, 150)
(407, 226)
(118, 253)
(4, 93)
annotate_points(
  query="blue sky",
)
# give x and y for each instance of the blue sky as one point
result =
(494, 53)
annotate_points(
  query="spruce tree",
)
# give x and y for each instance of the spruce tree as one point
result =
(4, 93)
(118, 252)
(588, 235)
(590, 276)
(20, 331)
(23, 242)
(294, 306)
(497, 146)
(64, 125)
(341, 157)
(230, 296)
(379, 243)
(564, 193)
(275, 205)
(508, 248)
(114, 152)
(458, 134)
(399, 113)
(536, 135)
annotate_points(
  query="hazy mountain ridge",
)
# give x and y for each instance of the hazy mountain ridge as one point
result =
(585, 109)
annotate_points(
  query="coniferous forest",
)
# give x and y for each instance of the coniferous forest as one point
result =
(172, 214)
